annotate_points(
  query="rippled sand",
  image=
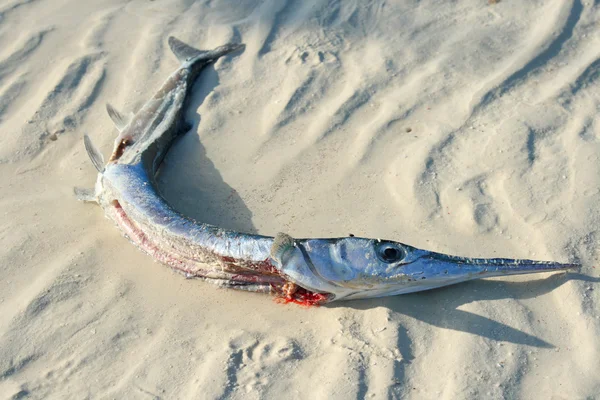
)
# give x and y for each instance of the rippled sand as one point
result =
(467, 127)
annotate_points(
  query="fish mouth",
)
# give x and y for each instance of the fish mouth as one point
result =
(434, 270)
(440, 265)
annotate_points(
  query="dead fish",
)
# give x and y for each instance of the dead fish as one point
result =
(305, 271)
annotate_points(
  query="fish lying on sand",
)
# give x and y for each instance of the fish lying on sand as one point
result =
(304, 271)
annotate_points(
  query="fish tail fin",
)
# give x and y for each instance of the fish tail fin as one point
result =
(182, 51)
(186, 53)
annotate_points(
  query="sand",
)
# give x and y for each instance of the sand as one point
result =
(466, 127)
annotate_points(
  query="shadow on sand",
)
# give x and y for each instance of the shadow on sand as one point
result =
(188, 179)
(439, 307)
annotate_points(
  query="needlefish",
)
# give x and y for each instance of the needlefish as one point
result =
(304, 271)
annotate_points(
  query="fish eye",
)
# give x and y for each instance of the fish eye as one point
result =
(389, 252)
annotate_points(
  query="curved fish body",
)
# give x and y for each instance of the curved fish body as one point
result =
(306, 271)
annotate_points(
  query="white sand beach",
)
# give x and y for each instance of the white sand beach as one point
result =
(467, 127)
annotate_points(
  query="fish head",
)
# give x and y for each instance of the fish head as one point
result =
(354, 268)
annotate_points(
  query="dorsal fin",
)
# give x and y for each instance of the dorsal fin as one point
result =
(183, 51)
(119, 119)
(94, 153)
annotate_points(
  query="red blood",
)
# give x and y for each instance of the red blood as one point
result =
(304, 297)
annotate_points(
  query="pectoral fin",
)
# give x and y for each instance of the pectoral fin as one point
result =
(281, 245)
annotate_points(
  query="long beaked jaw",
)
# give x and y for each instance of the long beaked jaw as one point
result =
(442, 266)
(485, 267)
(437, 270)
(434, 270)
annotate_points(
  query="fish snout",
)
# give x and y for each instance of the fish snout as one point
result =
(440, 265)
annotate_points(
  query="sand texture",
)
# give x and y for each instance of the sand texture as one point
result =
(468, 127)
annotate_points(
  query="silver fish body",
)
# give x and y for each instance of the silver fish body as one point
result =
(306, 271)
